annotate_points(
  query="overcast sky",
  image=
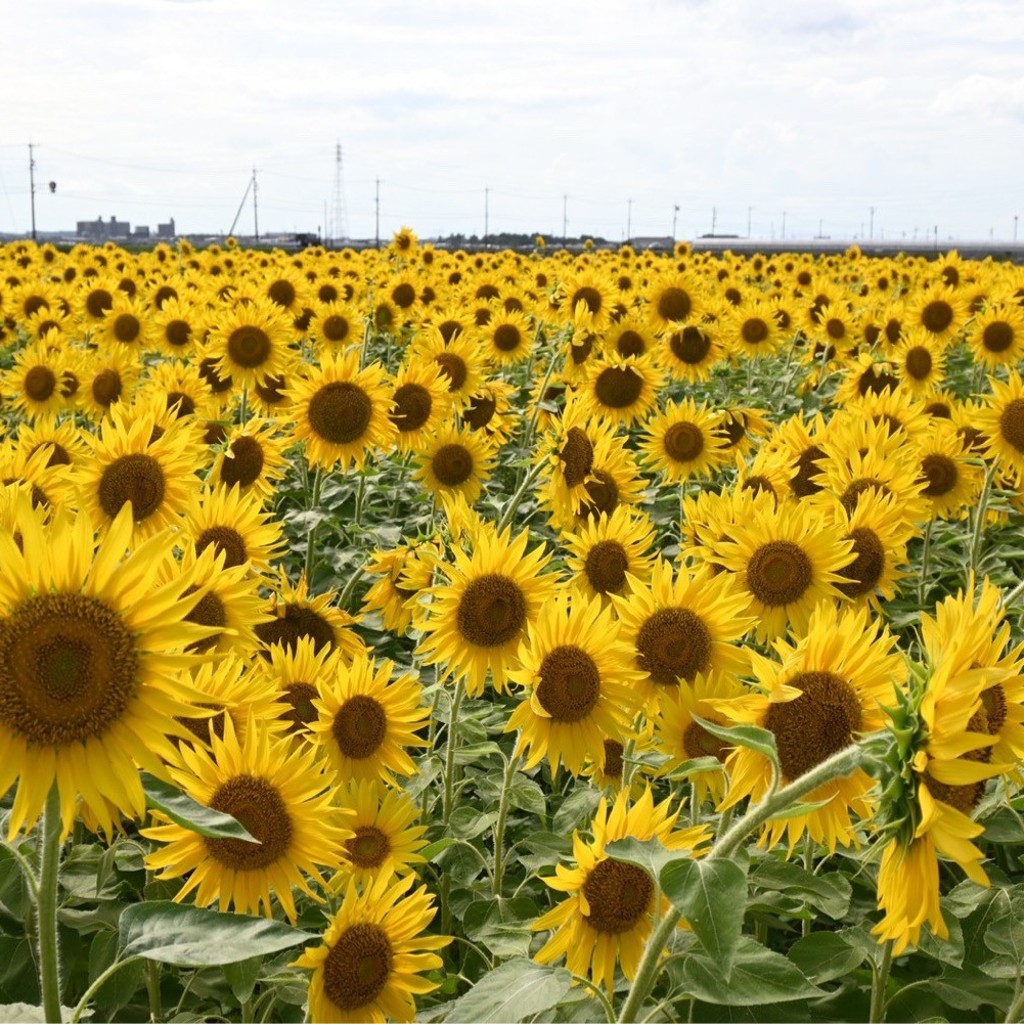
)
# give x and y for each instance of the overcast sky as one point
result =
(819, 110)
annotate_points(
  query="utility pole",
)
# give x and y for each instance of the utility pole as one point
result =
(783, 235)
(749, 211)
(629, 219)
(255, 208)
(377, 214)
(675, 215)
(871, 225)
(821, 224)
(340, 231)
(1015, 229)
(565, 219)
(714, 218)
(32, 186)
(487, 210)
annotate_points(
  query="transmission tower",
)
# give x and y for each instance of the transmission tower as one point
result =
(340, 232)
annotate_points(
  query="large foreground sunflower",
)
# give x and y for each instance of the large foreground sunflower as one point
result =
(369, 966)
(91, 661)
(281, 798)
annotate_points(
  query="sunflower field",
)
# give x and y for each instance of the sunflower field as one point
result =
(420, 635)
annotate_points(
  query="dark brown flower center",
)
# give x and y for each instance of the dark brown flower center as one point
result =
(243, 463)
(413, 405)
(340, 412)
(754, 330)
(296, 622)
(673, 644)
(127, 328)
(937, 316)
(454, 368)
(618, 895)
(605, 567)
(359, 727)
(249, 346)
(257, 805)
(507, 337)
(698, 742)
(569, 685)
(941, 473)
(779, 573)
(369, 847)
(452, 465)
(137, 478)
(867, 566)
(690, 345)
(674, 304)
(577, 456)
(997, 336)
(208, 612)
(106, 387)
(299, 697)
(1011, 424)
(918, 362)
(358, 967)
(492, 611)
(282, 292)
(683, 442)
(40, 383)
(618, 387)
(479, 412)
(224, 539)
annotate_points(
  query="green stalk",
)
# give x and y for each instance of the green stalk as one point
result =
(837, 766)
(922, 583)
(449, 757)
(46, 908)
(156, 1010)
(511, 767)
(360, 496)
(314, 503)
(979, 518)
(513, 504)
(83, 1003)
(879, 982)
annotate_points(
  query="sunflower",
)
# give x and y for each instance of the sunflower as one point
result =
(690, 352)
(127, 323)
(366, 719)
(940, 310)
(604, 549)
(631, 336)
(335, 323)
(594, 291)
(156, 477)
(683, 739)
(752, 330)
(387, 837)
(295, 614)
(235, 525)
(252, 460)
(787, 561)
(250, 341)
(479, 616)
(177, 387)
(455, 462)
(508, 338)
(280, 796)
(921, 362)
(490, 412)
(683, 625)
(291, 673)
(34, 382)
(682, 441)
(420, 402)
(342, 412)
(90, 664)
(461, 360)
(579, 681)
(404, 573)
(283, 290)
(952, 481)
(108, 378)
(177, 326)
(996, 335)
(1001, 419)
(376, 947)
(608, 913)
(673, 300)
(623, 390)
(828, 688)
(64, 441)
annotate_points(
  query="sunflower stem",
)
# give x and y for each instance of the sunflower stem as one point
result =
(511, 767)
(609, 1010)
(879, 983)
(360, 497)
(156, 1010)
(922, 583)
(243, 406)
(838, 765)
(979, 519)
(449, 756)
(513, 504)
(1012, 596)
(46, 908)
(314, 504)
(83, 1003)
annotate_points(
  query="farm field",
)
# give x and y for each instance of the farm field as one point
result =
(423, 635)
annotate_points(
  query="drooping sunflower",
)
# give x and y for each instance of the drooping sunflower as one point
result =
(683, 739)
(91, 660)
(235, 525)
(342, 411)
(387, 836)
(828, 688)
(156, 476)
(1001, 420)
(580, 684)
(252, 459)
(787, 561)
(404, 571)
(682, 625)
(478, 618)
(295, 614)
(607, 916)
(623, 391)
(374, 951)
(282, 798)
(604, 549)
(455, 461)
(683, 441)
(420, 403)
(366, 719)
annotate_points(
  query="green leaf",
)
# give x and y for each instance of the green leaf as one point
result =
(430, 851)
(648, 854)
(825, 956)
(1005, 935)
(119, 989)
(712, 895)
(830, 893)
(762, 741)
(26, 1013)
(758, 976)
(190, 937)
(513, 992)
(187, 813)
(502, 925)
(242, 977)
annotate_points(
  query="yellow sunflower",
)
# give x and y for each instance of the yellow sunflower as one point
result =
(691, 352)
(787, 561)
(34, 382)
(921, 362)
(996, 335)
(420, 403)
(461, 360)
(386, 836)
(478, 618)
(366, 719)
(252, 460)
(369, 967)
(683, 443)
(342, 411)
(952, 481)
(604, 549)
(250, 341)
(580, 684)
(682, 625)
(623, 391)
(455, 461)
(292, 673)
(1001, 420)
(281, 797)
(940, 310)
(235, 525)
(177, 326)
(508, 338)
(91, 664)
(404, 573)
(127, 324)
(108, 377)
(608, 913)
(828, 688)
(673, 300)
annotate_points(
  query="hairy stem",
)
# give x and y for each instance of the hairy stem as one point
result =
(46, 908)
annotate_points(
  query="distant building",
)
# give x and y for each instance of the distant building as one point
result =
(140, 231)
(166, 230)
(652, 242)
(100, 230)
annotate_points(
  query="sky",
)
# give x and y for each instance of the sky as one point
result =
(788, 119)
